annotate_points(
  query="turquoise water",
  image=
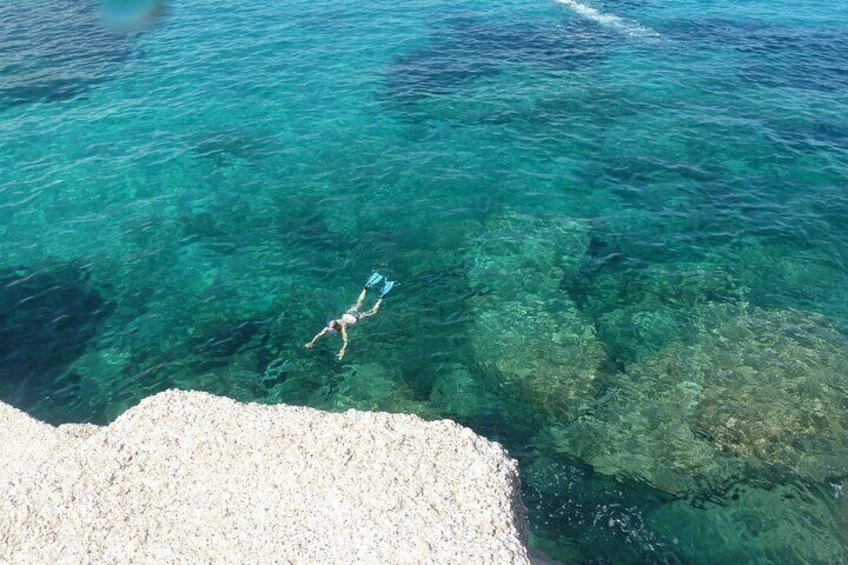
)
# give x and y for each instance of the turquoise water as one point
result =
(618, 230)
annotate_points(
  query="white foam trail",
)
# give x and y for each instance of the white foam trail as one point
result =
(609, 20)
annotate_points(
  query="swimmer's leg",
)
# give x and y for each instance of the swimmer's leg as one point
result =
(386, 288)
(373, 309)
(372, 280)
(359, 301)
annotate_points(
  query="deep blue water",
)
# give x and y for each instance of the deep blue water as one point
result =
(618, 231)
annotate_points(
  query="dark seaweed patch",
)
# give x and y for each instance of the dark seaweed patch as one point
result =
(55, 50)
(46, 319)
(465, 50)
(776, 56)
(217, 348)
(567, 501)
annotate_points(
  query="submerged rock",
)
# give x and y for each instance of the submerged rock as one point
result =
(371, 386)
(542, 354)
(535, 346)
(775, 391)
(459, 393)
(639, 430)
(187, 475)
(794, 277)
(757, 391)
(639, 309)
(516, 255)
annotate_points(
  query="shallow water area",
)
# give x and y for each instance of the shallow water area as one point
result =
(618, 231)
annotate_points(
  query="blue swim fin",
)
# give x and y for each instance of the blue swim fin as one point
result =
(373, 279)
(387, 286)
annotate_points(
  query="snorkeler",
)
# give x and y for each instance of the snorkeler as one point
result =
(353, 315)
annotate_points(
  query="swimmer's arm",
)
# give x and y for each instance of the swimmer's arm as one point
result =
(373, 310)
(317, 336)
(344, 344)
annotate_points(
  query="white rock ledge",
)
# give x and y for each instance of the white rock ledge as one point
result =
(188, 477)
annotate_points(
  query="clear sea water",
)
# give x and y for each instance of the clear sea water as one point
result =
(618, 230)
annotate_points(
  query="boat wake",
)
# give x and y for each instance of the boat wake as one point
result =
(621, 25)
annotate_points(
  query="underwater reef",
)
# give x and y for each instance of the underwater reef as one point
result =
(534, 345)
(757, 392)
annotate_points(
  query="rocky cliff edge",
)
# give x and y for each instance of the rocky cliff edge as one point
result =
(191, 477)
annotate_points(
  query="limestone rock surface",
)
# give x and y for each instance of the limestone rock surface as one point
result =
(190, 477)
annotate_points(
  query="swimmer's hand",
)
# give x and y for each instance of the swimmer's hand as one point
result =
(308, 345)
(340, 356)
